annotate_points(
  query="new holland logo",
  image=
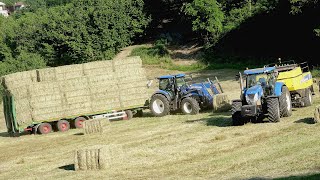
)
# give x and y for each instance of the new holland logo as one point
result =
(306, 78)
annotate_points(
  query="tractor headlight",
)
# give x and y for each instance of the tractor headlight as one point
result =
(252, 99)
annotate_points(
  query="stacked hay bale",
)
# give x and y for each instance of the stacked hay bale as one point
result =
(75, 90)
(18, 85)
(131, 78)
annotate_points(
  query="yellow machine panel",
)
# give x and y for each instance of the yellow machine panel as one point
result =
(295, 79)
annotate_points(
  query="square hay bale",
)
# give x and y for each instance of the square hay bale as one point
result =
(98, 157)
(17, 80)
(74, 84)
(98, 68)
(23, 111)
(44, 89)
(46, 101)
(47, 74)
(20, 93)
(69, 72)
(317, 114)
(221, 103)
(94, 126)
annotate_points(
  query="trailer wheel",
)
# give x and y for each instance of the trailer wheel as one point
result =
(129, 114)
(78, 122)
(63, 125)
(190, 105)
(44, 128)
(273, 109)
(308, 98)
(285, 102)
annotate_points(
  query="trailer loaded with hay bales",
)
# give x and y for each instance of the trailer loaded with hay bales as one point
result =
(58, 98)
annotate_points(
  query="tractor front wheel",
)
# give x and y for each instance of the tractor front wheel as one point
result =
(237, 119)
(285, 103)
(273, 109)
(159, 105)
(190, 105)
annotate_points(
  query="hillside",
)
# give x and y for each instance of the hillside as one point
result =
(204, 146)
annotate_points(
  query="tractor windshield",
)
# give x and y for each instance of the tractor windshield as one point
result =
(165, 84)
(259, 79)
(181, 82)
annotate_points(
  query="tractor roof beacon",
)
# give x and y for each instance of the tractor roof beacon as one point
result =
(261, 96)
(174, 94)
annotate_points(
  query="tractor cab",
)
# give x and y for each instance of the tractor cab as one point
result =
(174, 94)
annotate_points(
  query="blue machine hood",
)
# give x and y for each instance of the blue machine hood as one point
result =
(257, 89)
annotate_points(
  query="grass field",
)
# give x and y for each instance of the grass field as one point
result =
(203, 146)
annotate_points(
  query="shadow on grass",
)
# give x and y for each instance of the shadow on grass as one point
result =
(306, 121)
(217, 119)
(79, 134)
(69, 167)
(301, 177)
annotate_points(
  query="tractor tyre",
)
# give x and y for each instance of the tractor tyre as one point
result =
(190, 105)
(307, 100)
(159, 105)
(237, 119)
(273, 109)
(285, 103)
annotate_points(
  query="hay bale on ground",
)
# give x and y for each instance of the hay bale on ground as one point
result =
(97, 157)
(221, 103)
(94, 126)
(317, 115)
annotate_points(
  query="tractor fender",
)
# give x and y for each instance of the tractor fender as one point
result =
(278, 88)
(164, 93)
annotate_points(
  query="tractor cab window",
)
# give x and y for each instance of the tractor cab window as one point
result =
(181, 82)
(165, 84)
(257, 79)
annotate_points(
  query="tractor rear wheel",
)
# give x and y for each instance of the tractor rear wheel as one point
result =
(237, 119)
(273, 109)
(308, 98)
(190, 105)
(285, 103)
(159, 105)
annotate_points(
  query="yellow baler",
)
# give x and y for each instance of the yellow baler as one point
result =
(299, 83)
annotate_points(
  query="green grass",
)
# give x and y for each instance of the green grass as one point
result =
(160, 56)
(315, 73)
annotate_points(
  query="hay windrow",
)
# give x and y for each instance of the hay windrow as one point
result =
(54, 93)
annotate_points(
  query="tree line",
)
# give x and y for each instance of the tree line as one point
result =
(60, 32)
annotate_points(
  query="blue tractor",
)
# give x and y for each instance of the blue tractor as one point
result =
(174, 94)
(261, 97)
